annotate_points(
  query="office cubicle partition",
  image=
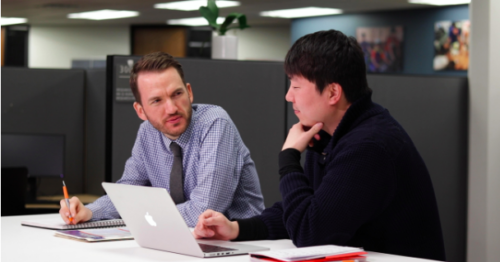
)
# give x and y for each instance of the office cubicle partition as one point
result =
(122, 122)
(434, 112)
(95, 138)
(48, 102)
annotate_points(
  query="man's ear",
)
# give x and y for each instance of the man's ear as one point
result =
(140, 111)
(334, 92)
(190, 92)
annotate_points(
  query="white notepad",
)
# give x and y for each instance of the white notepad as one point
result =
(58, 223)
(309, 253)
(96, 234)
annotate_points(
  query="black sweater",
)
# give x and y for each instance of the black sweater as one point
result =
(366, 186)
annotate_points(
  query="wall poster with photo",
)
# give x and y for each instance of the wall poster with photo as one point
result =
(451, 45)
(382, 47)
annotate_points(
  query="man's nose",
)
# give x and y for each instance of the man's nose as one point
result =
(170, 107)
(289, 95)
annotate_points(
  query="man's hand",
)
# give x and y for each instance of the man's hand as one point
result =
(77, 210)
(298, 138)
(214, 225)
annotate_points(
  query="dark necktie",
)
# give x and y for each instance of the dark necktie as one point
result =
(176, 176)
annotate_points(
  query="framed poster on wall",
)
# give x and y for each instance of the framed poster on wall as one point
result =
(382, 47)
(451, 45)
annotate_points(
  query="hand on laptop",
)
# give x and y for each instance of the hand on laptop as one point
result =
(214, 225)
(77, 210)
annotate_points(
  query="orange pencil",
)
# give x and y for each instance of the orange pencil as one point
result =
(66, 197)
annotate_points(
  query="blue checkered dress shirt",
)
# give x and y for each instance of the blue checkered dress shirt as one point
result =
(218, 171)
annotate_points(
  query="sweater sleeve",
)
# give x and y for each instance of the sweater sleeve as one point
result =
(356, 186)
(268, 225)
(289, 162)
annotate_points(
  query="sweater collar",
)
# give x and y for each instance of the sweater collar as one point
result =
(358, 111)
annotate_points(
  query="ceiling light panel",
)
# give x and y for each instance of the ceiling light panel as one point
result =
(193, 5)
(195, 21)
(439, 2)
(301, 12)
(13, 20)
(103, 14)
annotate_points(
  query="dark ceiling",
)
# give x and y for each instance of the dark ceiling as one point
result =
(54, 12)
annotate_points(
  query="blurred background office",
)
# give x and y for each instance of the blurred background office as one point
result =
(54, 62)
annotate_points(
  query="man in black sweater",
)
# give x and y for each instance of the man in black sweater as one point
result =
(363, 184)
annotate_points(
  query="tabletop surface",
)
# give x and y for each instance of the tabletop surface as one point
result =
(22, 243)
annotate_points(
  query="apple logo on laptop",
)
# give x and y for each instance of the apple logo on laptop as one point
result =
(150, 220)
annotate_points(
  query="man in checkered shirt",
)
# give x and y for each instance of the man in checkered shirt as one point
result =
(218, 171)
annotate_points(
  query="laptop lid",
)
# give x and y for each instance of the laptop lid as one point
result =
(155, 222)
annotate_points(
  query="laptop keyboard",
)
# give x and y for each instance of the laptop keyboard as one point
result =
(210, 248)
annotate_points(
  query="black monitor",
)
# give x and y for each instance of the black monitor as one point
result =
(43, 155)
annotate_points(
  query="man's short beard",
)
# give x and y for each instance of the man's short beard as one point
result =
(160, 126)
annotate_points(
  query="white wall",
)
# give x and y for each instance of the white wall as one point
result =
(270, 43)
(56, 46)
(483, 241)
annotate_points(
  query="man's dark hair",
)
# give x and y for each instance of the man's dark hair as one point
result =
(154, 62)
(327, 57)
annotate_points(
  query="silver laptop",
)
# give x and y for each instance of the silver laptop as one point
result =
(155, 222)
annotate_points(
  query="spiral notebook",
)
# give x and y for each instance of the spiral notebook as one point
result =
(58, 223)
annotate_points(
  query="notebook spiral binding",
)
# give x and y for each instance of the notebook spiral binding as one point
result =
(98, 224)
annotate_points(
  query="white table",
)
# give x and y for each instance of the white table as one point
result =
(21, 243)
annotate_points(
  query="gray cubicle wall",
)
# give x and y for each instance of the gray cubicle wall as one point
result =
(253, 95)
(122, 123)
(48, 101)
(433, 110)
(95, 130)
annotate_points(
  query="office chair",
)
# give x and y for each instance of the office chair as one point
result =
(14, 183)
